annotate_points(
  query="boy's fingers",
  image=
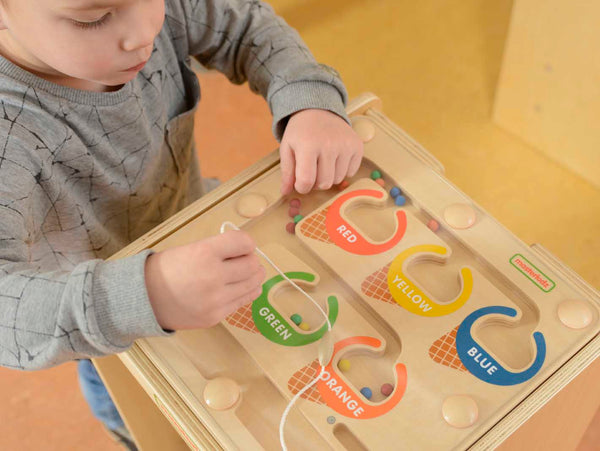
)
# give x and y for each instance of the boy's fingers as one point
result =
(354, 164)
(306, 171)
(241, 290)
(286, 157)
(233, 243)
(325, 171)
(341, 168)
(247, 298)
(241, 268)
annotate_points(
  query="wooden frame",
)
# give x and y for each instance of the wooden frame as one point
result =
(174, 400)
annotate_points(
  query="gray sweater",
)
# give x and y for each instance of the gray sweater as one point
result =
(83, 174)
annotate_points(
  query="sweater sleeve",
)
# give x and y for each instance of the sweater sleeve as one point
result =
(47, 315)
(246, 40)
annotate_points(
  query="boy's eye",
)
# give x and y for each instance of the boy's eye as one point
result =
(93, 24)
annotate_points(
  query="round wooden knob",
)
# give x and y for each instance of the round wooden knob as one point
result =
(575, 314)
(460, 411)
(221, 393)
(251, 205)
(363, 128)
(460, 216)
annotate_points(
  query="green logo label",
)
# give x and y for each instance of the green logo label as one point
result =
(275, 327)
(530, 271)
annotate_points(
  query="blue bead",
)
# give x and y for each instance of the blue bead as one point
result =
(400, 200)
(394, 192)
(366, 392)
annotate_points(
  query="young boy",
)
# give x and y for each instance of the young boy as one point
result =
(96, 149)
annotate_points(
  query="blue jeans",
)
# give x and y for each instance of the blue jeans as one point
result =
(97, 397)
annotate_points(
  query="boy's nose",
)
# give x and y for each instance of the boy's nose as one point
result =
(143, 22)
(138, 40)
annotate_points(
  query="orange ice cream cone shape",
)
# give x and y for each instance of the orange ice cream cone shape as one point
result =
(242, 319)
(376, 285)
(314, 226)
(302, 378)
(443, 351)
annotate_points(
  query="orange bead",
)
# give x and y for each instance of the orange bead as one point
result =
(433, 225)
(345, 184)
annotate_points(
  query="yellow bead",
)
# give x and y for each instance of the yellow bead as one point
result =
(304, 326)
(344, 365)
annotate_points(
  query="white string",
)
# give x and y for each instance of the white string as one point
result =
(314, 381)
(291, 404)
(227, 223)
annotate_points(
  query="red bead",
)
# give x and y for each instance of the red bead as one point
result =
(387, 389)
(380, 182)
(290, 227)
(295, 202)
(293, 211)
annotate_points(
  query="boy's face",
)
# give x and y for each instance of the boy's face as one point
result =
(82, 43)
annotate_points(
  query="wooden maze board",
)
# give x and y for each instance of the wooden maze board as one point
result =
(433, 297)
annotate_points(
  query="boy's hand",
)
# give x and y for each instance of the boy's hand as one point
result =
(318, 150)
(199, 284)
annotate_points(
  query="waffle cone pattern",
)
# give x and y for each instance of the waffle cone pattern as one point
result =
(314, 227)
(444, 351)
(242, 319)
(302, 378)
(376, 286)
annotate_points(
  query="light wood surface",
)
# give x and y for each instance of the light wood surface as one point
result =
(548, 92)
(189, 360)
(148, 425)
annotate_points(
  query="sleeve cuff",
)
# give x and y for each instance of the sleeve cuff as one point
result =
(123, 309)
(303, 95)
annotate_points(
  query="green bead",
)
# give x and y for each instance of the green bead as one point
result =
(297, 219)
(375, 175)
(297, 319)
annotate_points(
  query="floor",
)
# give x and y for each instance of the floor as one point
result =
(435, 64)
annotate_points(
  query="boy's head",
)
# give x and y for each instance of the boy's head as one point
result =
(86, 44)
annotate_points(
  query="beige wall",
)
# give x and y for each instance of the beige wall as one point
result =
(549, 88)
